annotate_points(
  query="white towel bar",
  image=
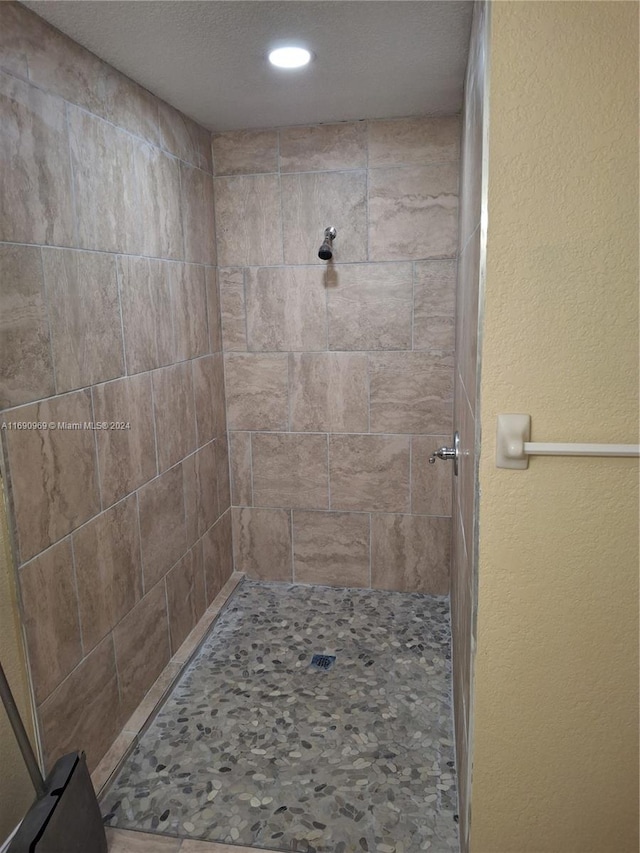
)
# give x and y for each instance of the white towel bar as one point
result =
(513, 447)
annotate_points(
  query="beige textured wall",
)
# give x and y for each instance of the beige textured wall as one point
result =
(556, 695)
(109, 314)
(16, 791)
(339, 377)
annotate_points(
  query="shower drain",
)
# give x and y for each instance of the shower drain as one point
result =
(324, 662)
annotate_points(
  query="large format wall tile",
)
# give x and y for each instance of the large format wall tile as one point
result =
(173, 405)
(214, 319)
(370, 307)
(108, 569)
(290, 470)
(141, 642)
(183, 137)
(245, 152)
(410, 553)
(84, 711)
(84, 315)
(160, 208)
(35, 179)
(208, 391)
(189, 299)
(217, 552)
(232, 310)
(200, 491)
(262, 543)
(434, 306)
(126, 457)
(26, 368)
(248, 220)
(286, 309)
(222, 473)
(186, 596)
(430, 484)
(414, 141)
(106, 191)
(331, 548)
(241, 478)
(313, 201)
(369, 472)
(53, 472)
(257, 391)
(323, 147)
(413, 212)
(329, 392)
(410, 392)
(147, 313)
(197, 215)
(51, 618)
(163, 530)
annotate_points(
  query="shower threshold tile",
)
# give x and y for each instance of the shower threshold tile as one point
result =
(255, 747)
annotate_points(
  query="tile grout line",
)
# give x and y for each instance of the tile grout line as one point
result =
(77, 591)
(45, 299)
(96, 452)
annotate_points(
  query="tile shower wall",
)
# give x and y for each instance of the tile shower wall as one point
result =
(109, 312)
(464, 557)
(339, 376)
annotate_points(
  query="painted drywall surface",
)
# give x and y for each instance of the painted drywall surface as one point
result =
(556, 690)
(16, 792)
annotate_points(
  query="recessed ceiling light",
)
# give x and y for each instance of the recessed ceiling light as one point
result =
(289, 57)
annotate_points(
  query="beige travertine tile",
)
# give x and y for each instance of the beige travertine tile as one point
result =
(189, 296)
(213, 309)
(223, 474)
(189, 846)
(34, 142)
(183, 137)
(331, 548)
(430, 484)
(369, 473)
(370, 307)
(111, 759)
(413, 212)
(155, 694)
(123, 841)
(414, 141)
(14, 45)
(329, 392)
(240, 455)
(217, 549)
(174, 413)
(323, 147)
(262, 543)
(232, 310)
(410, 553)
(126, 457)
(248, 220)
(26, 369)
(53, 472)
(286, 309)
(162, 524)
(141, 642)
(290, 470)
(186, 597)
(410, 392)
(159, 200)
(198, 222)
(434, 306)
(108, 569)
(84, 711)
(51, 619)
(200, 491)
(147, 312)
(245, 152)
(313, 201)
(84, 316)
(208, 389)
(105, 187)
(257, 389)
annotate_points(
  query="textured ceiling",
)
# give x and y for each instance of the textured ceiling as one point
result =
(372, 59)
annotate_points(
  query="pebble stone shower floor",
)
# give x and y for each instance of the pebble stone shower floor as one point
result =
(256, 747)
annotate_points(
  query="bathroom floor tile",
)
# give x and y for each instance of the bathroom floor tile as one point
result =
(254, 747)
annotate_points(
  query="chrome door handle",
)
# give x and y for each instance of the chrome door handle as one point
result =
(448, 453)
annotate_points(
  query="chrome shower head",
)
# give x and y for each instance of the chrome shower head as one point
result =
(325, 253)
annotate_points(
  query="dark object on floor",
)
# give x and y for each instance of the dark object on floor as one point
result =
(323, 661)
(65, 817)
